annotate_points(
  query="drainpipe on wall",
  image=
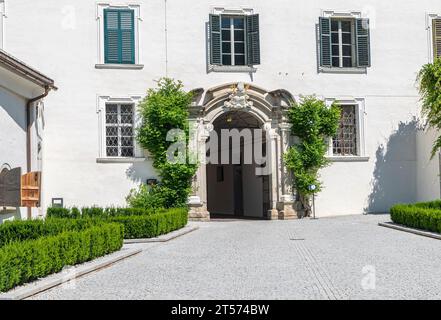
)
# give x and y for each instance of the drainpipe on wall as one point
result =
(28, 134)
(166, 38)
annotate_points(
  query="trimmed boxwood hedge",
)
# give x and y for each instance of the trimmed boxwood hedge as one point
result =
(24, 261)
(424, 216)
(20, 230)
(141, 227)
(98, 212)
(138, 223)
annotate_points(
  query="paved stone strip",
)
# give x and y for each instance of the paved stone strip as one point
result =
(336, 292)
(314, 271)
(319, 291)
(323, 270)
(323, 280)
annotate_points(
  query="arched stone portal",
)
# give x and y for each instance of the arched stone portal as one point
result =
(268, 110)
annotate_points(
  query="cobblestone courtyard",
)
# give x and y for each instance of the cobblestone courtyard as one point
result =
(331, 258)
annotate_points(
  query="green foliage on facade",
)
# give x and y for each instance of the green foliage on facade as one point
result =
(165, 108)
(429, 79)
(313, 123)
(146, 197)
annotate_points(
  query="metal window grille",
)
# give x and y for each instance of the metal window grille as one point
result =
(119, 130)
(345, 142)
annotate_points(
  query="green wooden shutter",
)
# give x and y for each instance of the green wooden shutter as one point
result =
(436, 27)
(325, 42)
(127, 32)
(215, 40)
(253, 40)
(111, 36)
(363, 43)
(119, 36)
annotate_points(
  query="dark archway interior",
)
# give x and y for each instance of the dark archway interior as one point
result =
(236, 119)
(234, 190)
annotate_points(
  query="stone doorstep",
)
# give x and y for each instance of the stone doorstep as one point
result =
(166, 237)
(53, 280)
(399, 227)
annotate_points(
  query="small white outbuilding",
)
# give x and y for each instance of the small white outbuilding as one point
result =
(22, 90)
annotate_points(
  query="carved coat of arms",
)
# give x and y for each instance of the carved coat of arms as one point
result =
(239, 98)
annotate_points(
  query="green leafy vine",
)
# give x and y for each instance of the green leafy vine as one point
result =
(313, 123)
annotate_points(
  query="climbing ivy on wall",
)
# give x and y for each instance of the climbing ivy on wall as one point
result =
(429, 79)
(313, 123)
(163, 109)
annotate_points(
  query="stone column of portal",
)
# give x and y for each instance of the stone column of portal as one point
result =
(287, 201)
(198, 200)
(273, 213)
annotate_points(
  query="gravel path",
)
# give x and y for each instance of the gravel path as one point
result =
(331, 258)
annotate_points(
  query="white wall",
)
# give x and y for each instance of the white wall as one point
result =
(428, 170)
(389, 177)
(68, 53)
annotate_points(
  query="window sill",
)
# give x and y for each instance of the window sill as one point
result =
(119, 66)
(120, 160)
(348, 159)
(244, 69)
(343, 70)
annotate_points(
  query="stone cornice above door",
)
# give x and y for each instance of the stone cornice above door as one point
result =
(265, 105)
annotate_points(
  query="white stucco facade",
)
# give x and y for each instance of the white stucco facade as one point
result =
(428, 169)
(171, 40)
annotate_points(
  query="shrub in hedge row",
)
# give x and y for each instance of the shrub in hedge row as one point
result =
(425, 216)
(98, 212)
(21, 230)
(429, 205)
(24, 261)
(138, 227)
(58, 212)
(138, 223)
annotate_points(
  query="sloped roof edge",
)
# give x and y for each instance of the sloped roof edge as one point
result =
(22, 69)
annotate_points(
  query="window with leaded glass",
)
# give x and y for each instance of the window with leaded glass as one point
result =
(119, 130)
(345, 141)
(233, 41)
(343, 43)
